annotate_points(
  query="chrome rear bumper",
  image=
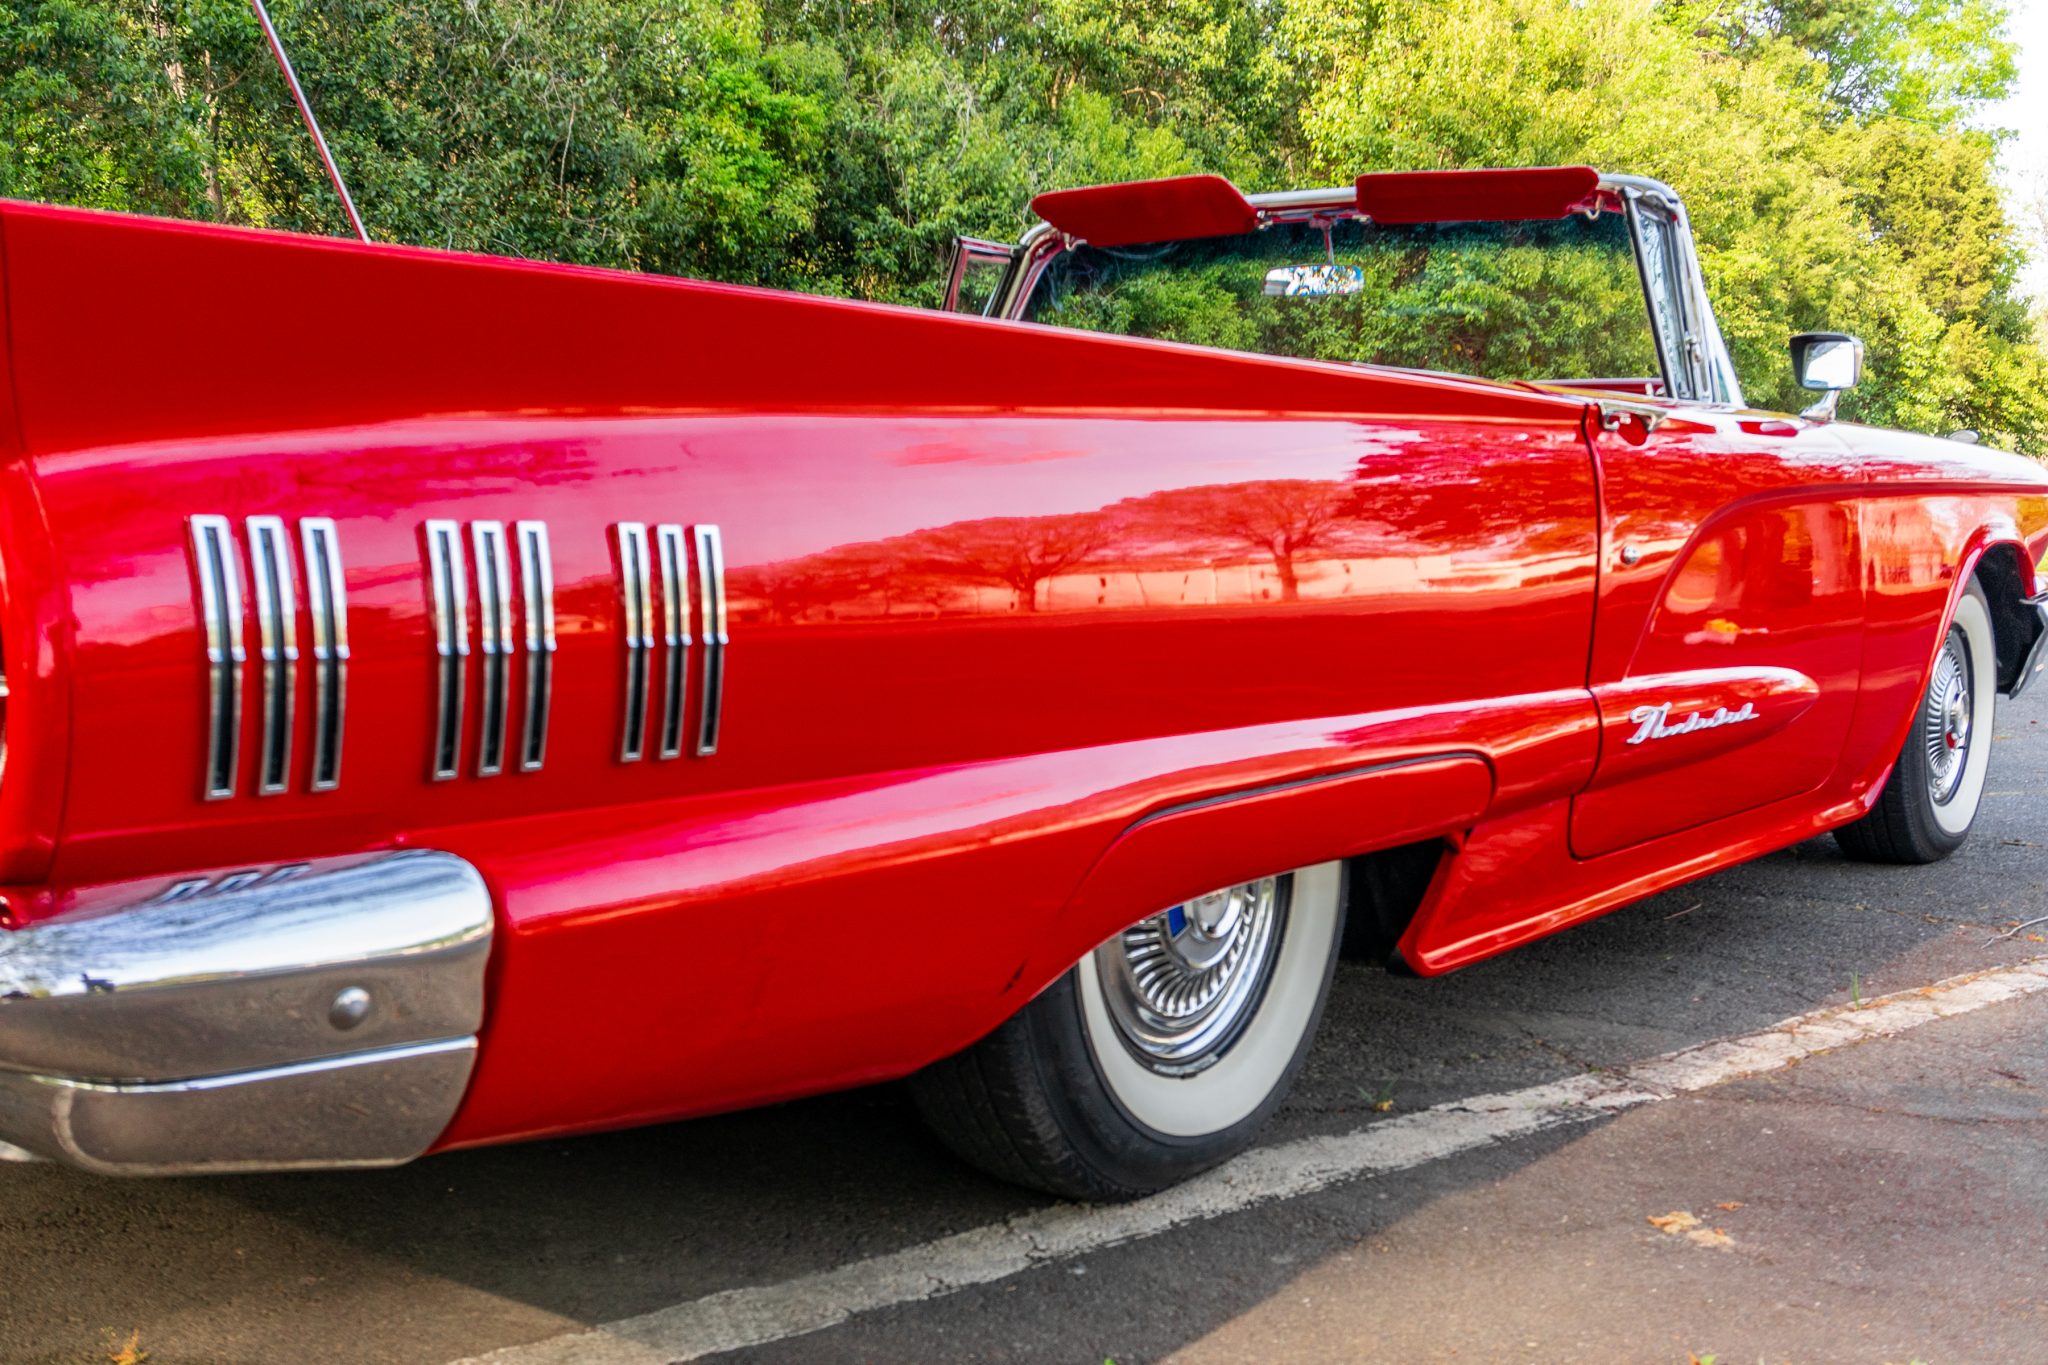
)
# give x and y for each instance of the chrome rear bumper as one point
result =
(317, 1014)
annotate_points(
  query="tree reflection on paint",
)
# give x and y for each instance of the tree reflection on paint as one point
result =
(1417, 518)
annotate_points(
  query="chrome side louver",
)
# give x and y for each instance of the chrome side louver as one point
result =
(219, 572)
(711, 600)
(217, 569)
(498, 633)
(675, 636)
(673, 543)
(515, 587)
(448, 582)
(327, 600)
(638, 628)
(537, 583)
(494, 596)
(277, 642)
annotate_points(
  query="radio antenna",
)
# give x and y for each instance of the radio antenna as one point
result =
(284, 64)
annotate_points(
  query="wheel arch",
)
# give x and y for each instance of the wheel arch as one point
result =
(1183, 851)
(2005, 570)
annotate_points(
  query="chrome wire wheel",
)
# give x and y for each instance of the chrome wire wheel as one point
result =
(1181, 986)
(1946, 718)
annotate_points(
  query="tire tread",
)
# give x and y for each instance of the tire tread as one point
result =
(989, 1106)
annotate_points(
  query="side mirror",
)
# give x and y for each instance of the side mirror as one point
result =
(1829, 362)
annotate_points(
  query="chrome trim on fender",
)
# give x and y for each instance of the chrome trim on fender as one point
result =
(675, 634)
(327, 603)
(537, 586)
(711, 608)
(638, 635)
(449, 584)
(265, 1017)
(220, 612)
(494, 637)
(277, 635)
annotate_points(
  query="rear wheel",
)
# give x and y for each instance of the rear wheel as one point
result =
(1931, 799)
(1159, 1055)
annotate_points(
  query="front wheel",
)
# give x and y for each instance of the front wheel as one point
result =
(1931, 799)
(1159, 1055)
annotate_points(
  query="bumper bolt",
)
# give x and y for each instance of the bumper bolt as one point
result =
(350, 1008)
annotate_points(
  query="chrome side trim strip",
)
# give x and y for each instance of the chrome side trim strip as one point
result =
(220, 612)
(639, 635)
(494, 634)
(450, 586)
(327, 602)
(711, 609)
(537, 584)
(675, 633)
(277, 634)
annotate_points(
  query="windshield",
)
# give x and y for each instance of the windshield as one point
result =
(1523, 300)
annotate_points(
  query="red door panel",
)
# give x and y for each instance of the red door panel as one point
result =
(1747, 593)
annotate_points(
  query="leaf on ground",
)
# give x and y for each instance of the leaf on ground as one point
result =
(1710, 1237)
(1383, 1107)
(129, 1352)
(1678, 1220)
(1730, 1206)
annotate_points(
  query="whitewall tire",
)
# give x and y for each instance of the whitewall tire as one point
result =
(1158, 1055)
(1931, 799)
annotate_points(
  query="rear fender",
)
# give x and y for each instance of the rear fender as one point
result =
(1181, 851)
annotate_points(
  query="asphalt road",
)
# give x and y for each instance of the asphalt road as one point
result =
(1891, 1197)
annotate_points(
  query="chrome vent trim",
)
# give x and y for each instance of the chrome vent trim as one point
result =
(675, 633)
(220, 611)
(494, 635)
(711, 608)
(277, 637)
(327, 603)
(449, 583)
(639, 635)
(537, 584)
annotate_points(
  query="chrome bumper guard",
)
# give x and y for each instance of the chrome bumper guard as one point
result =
(2037, 658)
(312, 1015)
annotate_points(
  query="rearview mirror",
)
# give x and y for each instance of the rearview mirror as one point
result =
(1829, 362)
(1293, 280)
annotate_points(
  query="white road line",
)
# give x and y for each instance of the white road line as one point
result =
(758, 1315)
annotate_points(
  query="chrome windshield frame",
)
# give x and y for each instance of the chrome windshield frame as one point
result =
(1710, 364)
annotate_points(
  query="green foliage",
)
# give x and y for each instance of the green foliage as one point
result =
(1507, 301)
(838, 145)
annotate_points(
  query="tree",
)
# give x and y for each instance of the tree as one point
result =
(834, 146)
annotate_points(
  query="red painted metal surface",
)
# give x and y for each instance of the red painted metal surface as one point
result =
(1502, 195)
(1149, 210)
(1031, 632)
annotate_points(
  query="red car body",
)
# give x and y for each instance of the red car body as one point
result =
(971, 715)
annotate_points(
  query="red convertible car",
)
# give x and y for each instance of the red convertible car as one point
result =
(454, 700)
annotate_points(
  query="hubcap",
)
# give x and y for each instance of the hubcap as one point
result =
(1945, 723)
(1181, 985)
